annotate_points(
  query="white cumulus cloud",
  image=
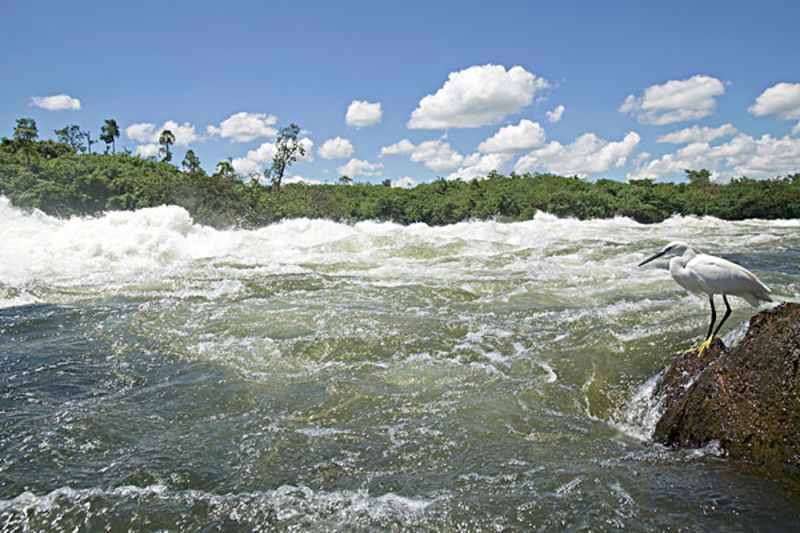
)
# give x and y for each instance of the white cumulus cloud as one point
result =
(765, 157)
(362, 113)
(308, 147)
(757, 158)
(184, 133)
(253, 163)
(525, 136)
(556, 114)
(142, 132)
(479, 165)
(782, 99)
(359, 167)
(675, 101)
(477, 96)
(336, 148)
(300, 179)
(244, 127)
(588, 155)
(146, 132)
(405, 182)
(436, 155)
(692, 156)
(697, 134)
(148, 150)
(403, 146)
(57, 102)
(257, 160)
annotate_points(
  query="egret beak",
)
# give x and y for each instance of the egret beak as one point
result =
(652, 257)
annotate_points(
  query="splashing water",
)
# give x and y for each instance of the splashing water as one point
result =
(316, 375)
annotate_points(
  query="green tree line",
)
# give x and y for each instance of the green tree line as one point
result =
(65, 178)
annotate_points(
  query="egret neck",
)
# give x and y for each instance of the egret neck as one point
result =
(677, 268)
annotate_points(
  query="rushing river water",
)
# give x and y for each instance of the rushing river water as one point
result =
(157, 374)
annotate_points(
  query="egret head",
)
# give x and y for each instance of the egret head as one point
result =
(675, 247)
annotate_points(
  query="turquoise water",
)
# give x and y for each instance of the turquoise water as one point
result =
(159, 375)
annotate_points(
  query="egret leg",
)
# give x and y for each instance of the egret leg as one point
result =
(706, 343)
(725, 316)
(713, 316)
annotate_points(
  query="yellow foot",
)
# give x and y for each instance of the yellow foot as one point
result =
(704, 346)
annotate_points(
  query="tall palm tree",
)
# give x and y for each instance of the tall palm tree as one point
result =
(166, 139)
(109, 133)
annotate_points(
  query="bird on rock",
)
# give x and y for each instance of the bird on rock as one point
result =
(702, 273)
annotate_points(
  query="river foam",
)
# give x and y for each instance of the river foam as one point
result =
(287, 506)
(39, 251)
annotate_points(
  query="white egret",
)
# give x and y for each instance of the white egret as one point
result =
(701, 273)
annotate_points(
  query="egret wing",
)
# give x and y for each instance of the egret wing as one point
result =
(721, 276)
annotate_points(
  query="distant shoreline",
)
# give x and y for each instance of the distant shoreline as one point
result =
(52, 177)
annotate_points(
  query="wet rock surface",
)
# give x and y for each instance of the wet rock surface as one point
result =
(746, 397)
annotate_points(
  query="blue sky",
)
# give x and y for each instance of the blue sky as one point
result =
(647, 88)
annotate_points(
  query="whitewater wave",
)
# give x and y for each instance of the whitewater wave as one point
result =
(149, 245)
(287, 506)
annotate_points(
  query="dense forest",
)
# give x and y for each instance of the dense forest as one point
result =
(65, 178)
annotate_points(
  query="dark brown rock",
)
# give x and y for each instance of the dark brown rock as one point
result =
(746, 397)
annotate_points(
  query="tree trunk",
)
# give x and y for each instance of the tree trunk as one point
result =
(279, 178)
